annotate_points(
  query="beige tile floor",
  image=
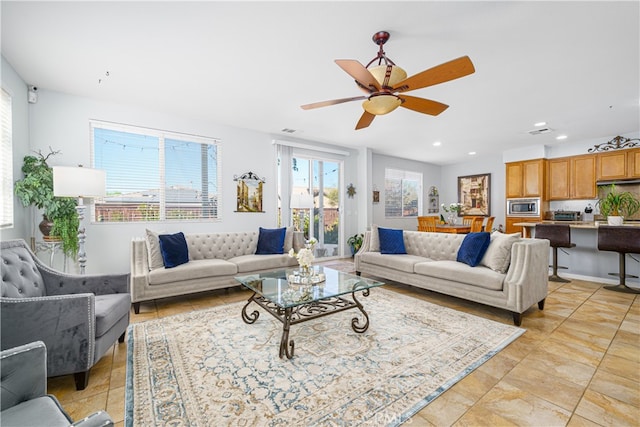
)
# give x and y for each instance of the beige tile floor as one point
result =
(578, 364)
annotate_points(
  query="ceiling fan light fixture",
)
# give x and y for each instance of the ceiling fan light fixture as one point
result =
(397, 74)
(381, 104)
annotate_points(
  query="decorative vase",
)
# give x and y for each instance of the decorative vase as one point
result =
(451, 218)
(45, 226)
(306, 272)
(615, 220)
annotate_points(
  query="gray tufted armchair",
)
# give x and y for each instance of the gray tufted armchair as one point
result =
(23, 392)
(77, 317)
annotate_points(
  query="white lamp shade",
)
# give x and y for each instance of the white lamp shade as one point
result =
(71, 181)
(301, 201)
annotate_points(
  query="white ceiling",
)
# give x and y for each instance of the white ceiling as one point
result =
(575, 65)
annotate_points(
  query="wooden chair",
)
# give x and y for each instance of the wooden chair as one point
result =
(468, 220)
(476, 224)
(489, 225)
(427, 223)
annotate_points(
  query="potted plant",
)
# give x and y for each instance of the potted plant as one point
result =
(355, 242)
(60, 218)
(616, 205)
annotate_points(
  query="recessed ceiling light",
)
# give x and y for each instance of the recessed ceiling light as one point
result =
(561, 137)
(540, 124)
(437, 144)
(472, 153)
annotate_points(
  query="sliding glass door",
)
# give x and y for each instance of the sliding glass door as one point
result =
(315, 202)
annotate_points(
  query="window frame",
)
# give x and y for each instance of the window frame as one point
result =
(6, 163)
(403, 176)
(162, 136)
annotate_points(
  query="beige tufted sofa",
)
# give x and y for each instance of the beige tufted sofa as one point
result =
(516, 280)
(214, 260)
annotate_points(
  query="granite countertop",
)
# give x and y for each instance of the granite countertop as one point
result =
(575, 224)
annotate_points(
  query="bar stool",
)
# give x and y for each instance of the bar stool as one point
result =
(624, 240)
(559, 236)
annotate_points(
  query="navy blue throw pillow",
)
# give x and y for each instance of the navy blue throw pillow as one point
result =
(174, 250)
(271, 241)
(391, 241)
(473, 248)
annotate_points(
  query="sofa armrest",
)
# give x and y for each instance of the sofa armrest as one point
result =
(139, 268)
(529, 272)
(65, 323)
(24, 373)
(58, 283)
(366, 243)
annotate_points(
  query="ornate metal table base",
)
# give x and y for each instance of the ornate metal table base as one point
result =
(301, 313)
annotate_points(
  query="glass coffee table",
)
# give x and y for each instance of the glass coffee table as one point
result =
(292, 303)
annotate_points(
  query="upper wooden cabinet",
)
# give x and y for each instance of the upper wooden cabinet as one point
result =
(612, 165)
(525, 179)
(572, 178)
(633, 157)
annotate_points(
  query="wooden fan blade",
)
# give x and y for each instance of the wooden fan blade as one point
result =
(358, 72)
(365, 120)
(332, 102)
(439, 74)
(421, 105)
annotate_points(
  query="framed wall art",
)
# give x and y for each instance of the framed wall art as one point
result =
(249, 192)
(474, 193)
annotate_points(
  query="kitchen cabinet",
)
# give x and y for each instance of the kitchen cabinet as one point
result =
(559, 178)
(633, 157)
(572, 178)
(525, 179)
(612, 165)
(583, 177)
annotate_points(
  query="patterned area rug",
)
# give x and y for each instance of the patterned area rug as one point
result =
(208, 367)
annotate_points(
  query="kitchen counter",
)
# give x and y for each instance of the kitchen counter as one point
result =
(587, 225)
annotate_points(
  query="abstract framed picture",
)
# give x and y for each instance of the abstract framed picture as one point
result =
(474, 193)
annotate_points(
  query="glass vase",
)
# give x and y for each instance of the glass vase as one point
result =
(451, 218)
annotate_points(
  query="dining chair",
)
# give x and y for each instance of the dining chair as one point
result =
(489, 225)
(427, 223)
(468, 220)
(476, 224)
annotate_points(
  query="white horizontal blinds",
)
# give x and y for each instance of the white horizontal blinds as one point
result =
(402, 191)
(6, 163)
(190, 177)
(155, 175)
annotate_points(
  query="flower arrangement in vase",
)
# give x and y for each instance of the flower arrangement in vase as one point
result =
(453, 210)
(305, 257)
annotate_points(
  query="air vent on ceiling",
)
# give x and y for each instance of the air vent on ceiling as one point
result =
(540, 131)
(287, 130)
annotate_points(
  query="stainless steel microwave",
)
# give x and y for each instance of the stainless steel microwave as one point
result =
(523, 207)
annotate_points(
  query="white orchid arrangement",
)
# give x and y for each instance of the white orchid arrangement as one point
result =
(453, 207)
(305, 255)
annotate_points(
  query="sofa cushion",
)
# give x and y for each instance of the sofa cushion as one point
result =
(174, 249)
(391, 241)
(193, 270)
(109, 310)
(473, 248)
(247, 263)
(498, 254)
(271, 241)
(288, 240)
(20, 276)
(374, 244)
(462, 273)
(401, 262)
(43, 410)
(153, 250)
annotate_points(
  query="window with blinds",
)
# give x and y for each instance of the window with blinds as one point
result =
(155, 175)
(6, 162)
(403, 194)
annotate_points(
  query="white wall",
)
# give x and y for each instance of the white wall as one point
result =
(478, 165)
(61, 121)
(430, 177)
(17, 88)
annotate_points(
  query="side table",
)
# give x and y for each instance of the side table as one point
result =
(51, 247)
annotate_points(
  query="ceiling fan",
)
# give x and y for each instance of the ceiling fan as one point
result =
(386, 84)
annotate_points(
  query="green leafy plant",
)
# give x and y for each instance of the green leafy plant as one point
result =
(36, 189)
(617, 203)
(355, 242)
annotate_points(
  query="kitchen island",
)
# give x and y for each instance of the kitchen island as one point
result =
(585, 261)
